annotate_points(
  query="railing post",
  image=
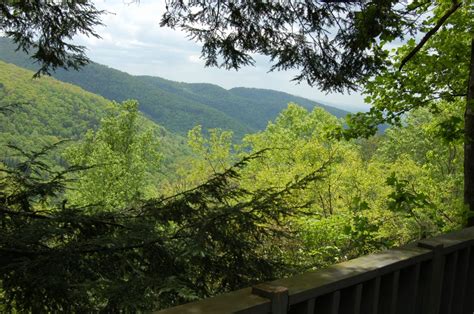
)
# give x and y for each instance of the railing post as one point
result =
(277, 294)
(432, 305)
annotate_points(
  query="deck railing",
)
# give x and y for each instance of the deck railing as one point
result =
(431, 276)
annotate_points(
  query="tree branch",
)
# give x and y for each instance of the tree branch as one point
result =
(456, 5)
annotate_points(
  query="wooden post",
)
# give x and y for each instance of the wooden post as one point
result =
(278, 295)
(432, 304)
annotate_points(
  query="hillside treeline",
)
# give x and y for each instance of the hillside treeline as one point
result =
(91, 225)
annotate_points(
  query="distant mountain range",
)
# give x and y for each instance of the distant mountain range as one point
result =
(178, 106)
(45, 111)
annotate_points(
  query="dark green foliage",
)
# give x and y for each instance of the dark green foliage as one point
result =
(451, 129)
(406, 200)
(271, 103)
(333, 44)
(178, 106)
(45, 29)
(404, 197)
(58, 257)
(364, 236)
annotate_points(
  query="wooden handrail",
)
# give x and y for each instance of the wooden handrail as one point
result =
(430, 276)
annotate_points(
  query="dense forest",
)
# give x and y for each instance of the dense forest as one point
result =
(177, 106)
(123, 193)
(307, 200)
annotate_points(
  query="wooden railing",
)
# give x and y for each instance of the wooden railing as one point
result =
(431, 276)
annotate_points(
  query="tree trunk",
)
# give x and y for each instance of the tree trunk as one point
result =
(468, 143)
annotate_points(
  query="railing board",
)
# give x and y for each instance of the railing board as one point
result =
(412, 279)
(468, 304)
(454, 241)
(306, 307)
(328, 304)
(408, 290)
(435, 278)
(351, 300)
(424, 287)
(350, 273)
(240, 301)
(389, 293)
(370, 296)
(461, 280)
(448, 282)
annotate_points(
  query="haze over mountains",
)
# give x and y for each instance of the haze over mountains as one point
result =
(178, 106)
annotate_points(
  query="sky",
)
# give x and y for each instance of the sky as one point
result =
(133, 41)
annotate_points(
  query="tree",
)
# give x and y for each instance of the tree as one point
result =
(334, 44)
(121, 155)
(441, 69)
(340, 45)
(45, 29)
(57, 256)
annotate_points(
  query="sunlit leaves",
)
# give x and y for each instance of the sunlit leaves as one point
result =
(122, 154)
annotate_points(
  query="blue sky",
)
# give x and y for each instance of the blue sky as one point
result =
(132, 41)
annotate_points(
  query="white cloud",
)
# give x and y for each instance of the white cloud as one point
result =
(195, 59)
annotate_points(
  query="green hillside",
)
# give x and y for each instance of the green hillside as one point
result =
(178, 106)
(44, 111)
(272, 101)
(253, 107)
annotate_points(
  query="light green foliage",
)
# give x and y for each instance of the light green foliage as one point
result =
(43, 111)
(211, 153)
(298, 144)
(429, 165)
(121, 154)
(214, 151)
(371, 194)
(439, 71)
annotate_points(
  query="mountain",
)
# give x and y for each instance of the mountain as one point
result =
(272, 102)
(177, 106)
(38, 112)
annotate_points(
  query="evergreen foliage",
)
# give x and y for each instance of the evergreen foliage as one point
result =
(213, 238)
(334, 45)
(45, 29)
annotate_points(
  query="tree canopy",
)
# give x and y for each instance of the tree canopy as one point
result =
(335, 45)
(340, 46)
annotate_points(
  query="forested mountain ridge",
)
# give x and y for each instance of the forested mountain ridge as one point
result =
(253, 107)
(178, 106)
(44, 111)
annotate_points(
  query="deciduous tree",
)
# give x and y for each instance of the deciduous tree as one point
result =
(340, 46)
